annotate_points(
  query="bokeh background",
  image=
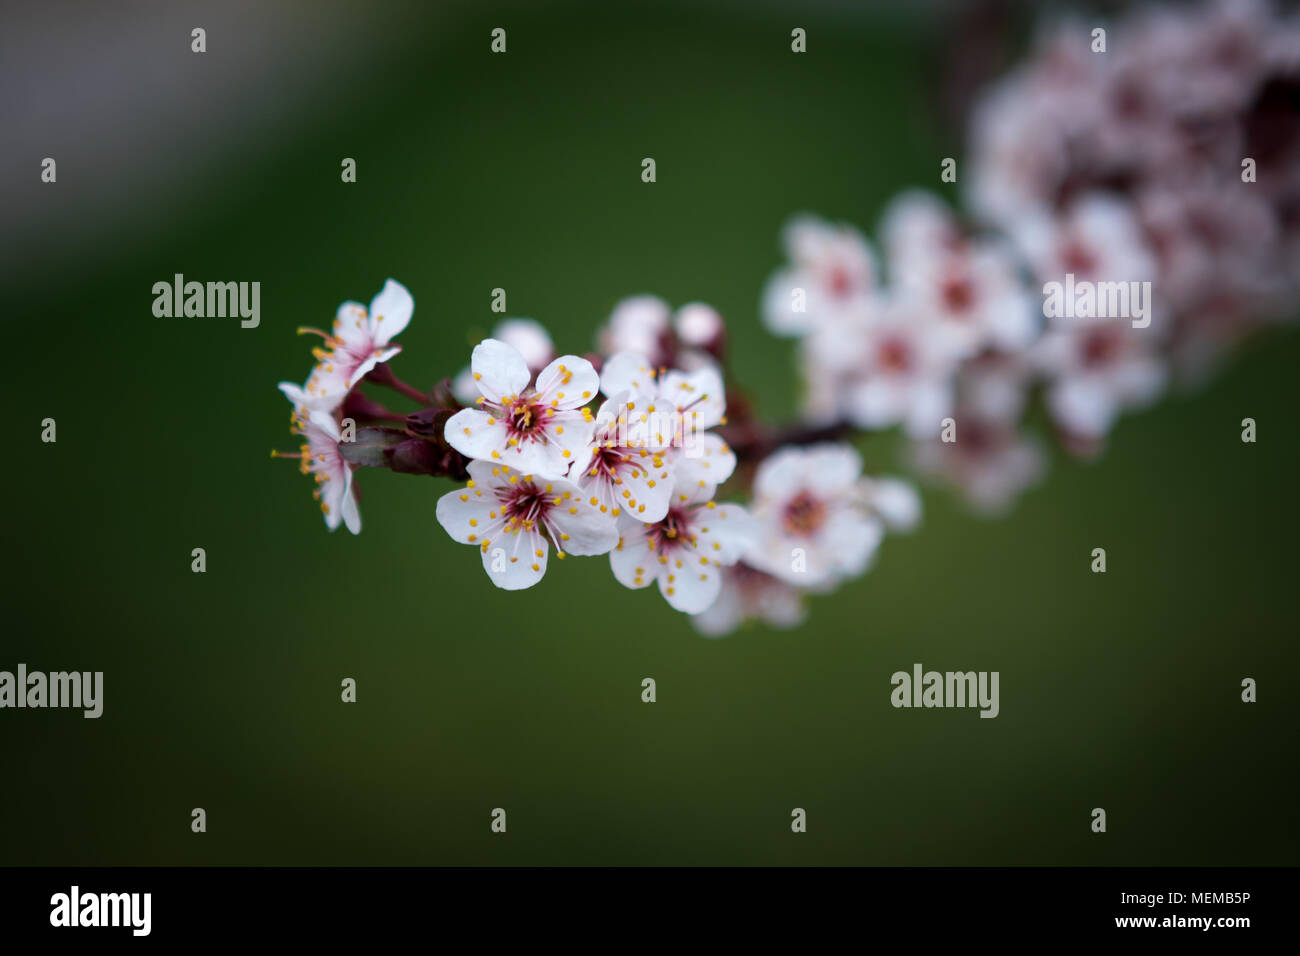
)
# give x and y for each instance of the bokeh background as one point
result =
(523, 172)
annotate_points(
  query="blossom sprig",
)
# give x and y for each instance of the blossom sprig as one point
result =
(643, 450)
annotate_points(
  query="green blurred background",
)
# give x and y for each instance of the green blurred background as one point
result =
(523, 172)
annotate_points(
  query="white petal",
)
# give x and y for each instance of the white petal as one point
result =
(896, 502)
(568, 382)
(352, 326)
(351, 512)
(832, 468)
(782, 475)
(529, 337)
(632, 560)
(516, 561)
(698, 395)
(499, 369)
(848, 543)
(706, 459)
(390, 311)
(649, 488)
(576, 437)
(690, 589)
(588, 530)
(379, 356)
(728, 526)
(627, 372)
(476, 434)
(467, 515)
(537, 456)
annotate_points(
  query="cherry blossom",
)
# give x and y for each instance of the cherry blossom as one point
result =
(685, 551)
(541, 429)
(813, 528)
(514, 519)
(528, 336)
(358, 340)
(319, 457)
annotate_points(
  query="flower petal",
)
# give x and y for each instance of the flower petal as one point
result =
(469, 516)
(379, 356)
(649, 489)
(731, 528)
(515, 562)
(351, 512)
(390, 311)
(690, 589)
(632, 559)
(895, 501)
(627, 372)
(498, 369)
(580, 527)
(832, 469)
(536, 456)
(569, 382)
(699, 396)
(476, 434)
(707, 459)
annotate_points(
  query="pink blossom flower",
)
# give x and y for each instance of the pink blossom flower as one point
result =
(357, 342)
(319, 457)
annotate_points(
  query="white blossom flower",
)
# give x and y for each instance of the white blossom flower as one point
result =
(813, 530)
(972, 289)
(319, 457)
(528, 336)
(697, 401)
(357, 342)
(538, 430)
(831, 279)
(698, 326)
(1097, 239)
(632, 457)
(684, 551)
(750, 593)
(1097, 368)
(513, 519)
(905, 374)
(640, 324)
(1019, 152)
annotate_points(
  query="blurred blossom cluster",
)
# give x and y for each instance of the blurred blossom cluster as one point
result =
(1141, 150)
(1123, 167)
